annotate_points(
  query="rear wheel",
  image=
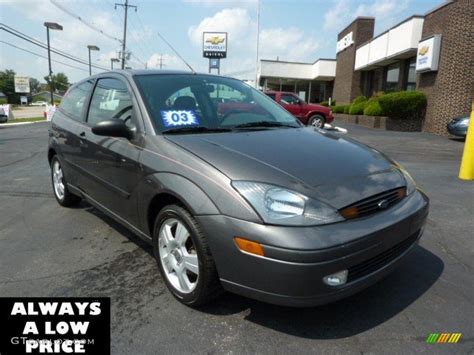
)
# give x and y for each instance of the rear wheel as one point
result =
(317, 121)
(63, 195)
(184, 258)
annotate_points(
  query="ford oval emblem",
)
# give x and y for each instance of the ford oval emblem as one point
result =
(383, 204)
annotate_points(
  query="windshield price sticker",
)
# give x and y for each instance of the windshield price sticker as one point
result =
(176, 118)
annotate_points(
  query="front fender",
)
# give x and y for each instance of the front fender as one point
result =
(183, 189)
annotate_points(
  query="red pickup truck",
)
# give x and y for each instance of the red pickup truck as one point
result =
(309, 114)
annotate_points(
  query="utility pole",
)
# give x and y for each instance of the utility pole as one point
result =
(124, 41)
(258, 38)
(161, 61)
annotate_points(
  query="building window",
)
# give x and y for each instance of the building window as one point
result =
(392, 77)
(411, 77)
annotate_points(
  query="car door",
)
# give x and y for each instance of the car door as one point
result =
(112, 164)
(67, 125)
(291, 104)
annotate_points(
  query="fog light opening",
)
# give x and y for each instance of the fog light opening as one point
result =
(337, 279)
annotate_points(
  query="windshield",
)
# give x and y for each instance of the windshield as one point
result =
(181, 103)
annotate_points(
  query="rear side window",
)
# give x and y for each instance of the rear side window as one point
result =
(73, 103)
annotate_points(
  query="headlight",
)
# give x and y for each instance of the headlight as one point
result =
(411, 184)
(278, 205)
(464, 122)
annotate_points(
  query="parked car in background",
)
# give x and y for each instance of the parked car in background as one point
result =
(309, 114)
(3, 116)
(458, 126)
(235, 196)
(39, 103)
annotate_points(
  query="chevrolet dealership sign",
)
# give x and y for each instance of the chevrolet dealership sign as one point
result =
(214, 44)
(427, 57)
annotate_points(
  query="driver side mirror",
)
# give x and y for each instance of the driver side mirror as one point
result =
(112, 128)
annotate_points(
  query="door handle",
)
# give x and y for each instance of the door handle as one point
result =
(82, 134)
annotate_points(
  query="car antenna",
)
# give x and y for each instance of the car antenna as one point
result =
(174, 50)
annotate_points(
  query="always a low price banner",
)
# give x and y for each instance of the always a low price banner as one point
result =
(55, 325)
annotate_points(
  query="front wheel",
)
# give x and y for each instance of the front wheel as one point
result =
(184, 258)
(63, 195)
(316, 121)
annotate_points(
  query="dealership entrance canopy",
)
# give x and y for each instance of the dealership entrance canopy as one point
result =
(432, 53)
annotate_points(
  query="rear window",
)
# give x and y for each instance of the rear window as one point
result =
(73, 103)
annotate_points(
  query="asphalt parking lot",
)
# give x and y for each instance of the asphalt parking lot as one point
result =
(46, 250)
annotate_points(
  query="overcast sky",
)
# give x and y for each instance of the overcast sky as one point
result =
(291, 30)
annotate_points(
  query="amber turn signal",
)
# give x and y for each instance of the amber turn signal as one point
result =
(350, 212)
(248, 246)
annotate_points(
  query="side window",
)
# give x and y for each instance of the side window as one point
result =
(111, 99)
(289, 99)
(73, 103)
(271, 96)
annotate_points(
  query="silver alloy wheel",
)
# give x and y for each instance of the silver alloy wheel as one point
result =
(317, 122)
(58, 182)
(178, 255)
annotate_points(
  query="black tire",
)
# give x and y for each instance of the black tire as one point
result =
(68, 199)
(208, 286)
(317, 121)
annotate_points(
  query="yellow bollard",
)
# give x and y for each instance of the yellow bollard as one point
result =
(467, 164)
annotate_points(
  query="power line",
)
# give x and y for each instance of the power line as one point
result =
(44, 46)
(84, 21)
(172, 48)
(42, 56)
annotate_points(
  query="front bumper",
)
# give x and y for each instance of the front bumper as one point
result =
(297, 258)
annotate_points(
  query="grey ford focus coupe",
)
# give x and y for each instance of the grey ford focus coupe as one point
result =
(231, 190)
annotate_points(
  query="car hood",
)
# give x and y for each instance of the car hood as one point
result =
(317, 107)
(318, 164)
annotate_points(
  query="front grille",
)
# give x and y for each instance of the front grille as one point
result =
(373, 203)
(377, 262)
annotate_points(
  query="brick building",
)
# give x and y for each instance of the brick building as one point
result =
(432, 53)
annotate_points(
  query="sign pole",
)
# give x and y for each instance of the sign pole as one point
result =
(209, 65)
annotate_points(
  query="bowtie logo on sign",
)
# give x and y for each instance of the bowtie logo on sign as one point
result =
(55, 326)
(215, 40)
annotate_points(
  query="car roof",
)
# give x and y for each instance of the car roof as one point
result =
(133, 72)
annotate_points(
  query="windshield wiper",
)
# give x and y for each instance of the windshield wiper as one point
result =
(195, 129)
(264, 124)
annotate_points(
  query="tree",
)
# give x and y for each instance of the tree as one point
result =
(60, 82)
(7, 85)
(34, 86)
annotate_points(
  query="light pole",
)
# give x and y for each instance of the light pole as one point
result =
(52, 26)
(112, 61)
(91, 48)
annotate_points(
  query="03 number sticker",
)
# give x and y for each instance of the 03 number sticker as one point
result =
(175, 118)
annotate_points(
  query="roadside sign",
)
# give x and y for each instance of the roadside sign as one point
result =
(214, 63)
(22, 84)
(24, 100)
(214, 44)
